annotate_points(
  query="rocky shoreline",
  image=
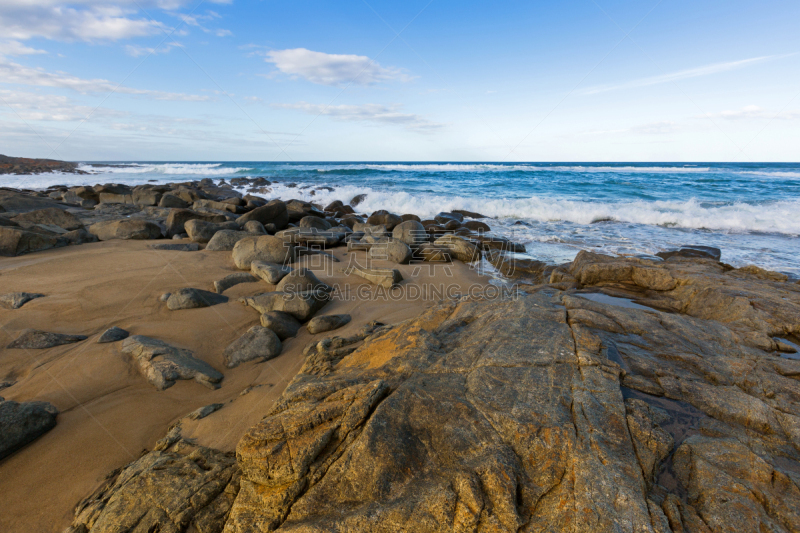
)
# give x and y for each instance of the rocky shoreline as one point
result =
(24, 165)
(605, 394)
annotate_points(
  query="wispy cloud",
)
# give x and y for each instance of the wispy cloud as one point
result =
(376, 113)
(332, 69)
(55, 108)
(11, 72)
(706, 70)
(753, 111)
(16, 48)
(139, 51)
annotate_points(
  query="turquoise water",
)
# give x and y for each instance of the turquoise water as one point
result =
(751, 210)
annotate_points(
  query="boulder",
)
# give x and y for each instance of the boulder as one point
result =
(173, 201)
(34, 339)
(384, 218)
(265, 248)
(190, 298)
(703, 252)
(15, 300)
(470, 214)
(162, 364)
(386, 278)
(477, 225)
(113, 334)
(15, 241)
(311, 237)
(357, 199)
(394, 251)
(258, 344)
(444, 218)
(22, 423)
(79, 236)
(409, 216)
(127, 228)
(225, 240)
(203, 231)
(411, 232)
(433, 254)
(230, 280)
(334, 206)
(142, 196)
(302, 280)
(177, 219)
(301, 305)
(314, 222)
(214, 205)
(50, 216)
(513, 266)
(283, 324)
(269, 272)
(321, 324)
(254, 227)
(460, 248)
(274, 212)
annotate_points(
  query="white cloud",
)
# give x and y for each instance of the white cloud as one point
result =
(332, 69)
(753, 111)
(33, 106)
(139, 51)
(367, 113)
(706, 70)
(16, 48)
(15, 73)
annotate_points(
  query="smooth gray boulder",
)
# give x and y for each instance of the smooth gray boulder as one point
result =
(386, 278)
(264, 248)
(22, 423)
(16, 241)
(301, 305)
(224, 240)
(127, 228)
(113, 334)
(162, 364)
(170, 200)
(15, 300)
(269, 272)
(230, 280)
(283, 324)
(411, 232)
(460, 248)
(50, 216)
(321, 324)
(394, 251)
(273, 213)
(302, 280)
(204, 231)
(390, 220)
(311, 237)
(314, 222)
(258, 344)
(33, 339)
(177, 219)
(254, 227)
(190, 298)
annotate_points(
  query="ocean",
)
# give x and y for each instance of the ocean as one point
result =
(751, 211)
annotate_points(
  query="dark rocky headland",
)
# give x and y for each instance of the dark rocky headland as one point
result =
(647, 394)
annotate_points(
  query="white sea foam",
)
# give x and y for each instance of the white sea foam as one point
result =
(490, 167)
(774, 217)
(199, 169)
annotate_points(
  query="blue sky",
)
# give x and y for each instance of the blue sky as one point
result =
(592, 80)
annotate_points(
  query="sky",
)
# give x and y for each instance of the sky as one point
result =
(419, 80)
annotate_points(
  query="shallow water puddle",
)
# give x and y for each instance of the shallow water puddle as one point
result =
(786, 355)
(612, 300)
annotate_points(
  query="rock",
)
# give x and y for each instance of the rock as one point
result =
(7, 222)
(230, 280)
(225, 240)
(311, 237)
(283, 324)
(176, 247)
(334, 206)
(314, 222)
(760, 273)
(113, 334)
(493, 242)
(179, 487)
(321, 324)
(177, 219)
(477, 225)
(274, 212)
(408, 217)
(433, 254)
(269, 272)
(302, 280)
(265, 248)
(411, 232)
(444, 218)
(460, 248)
(164, 297)
(50, 216)
(202, 412)
(202, 230)
(33, 339)
(15, 300)
(298, 209)
(128, 228)
(79, 236)
(146, 196)
(162, 364)
(384, 218)
(704, 252)
(357, 199)
(23, 423)
(394, 251)
(258, 344)
(190, 298)
(379, 276)
(254, 227)
(301, 305)
(170, 200)
(470, 214)
(214, 205)
(14, 241)
(513, 266)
